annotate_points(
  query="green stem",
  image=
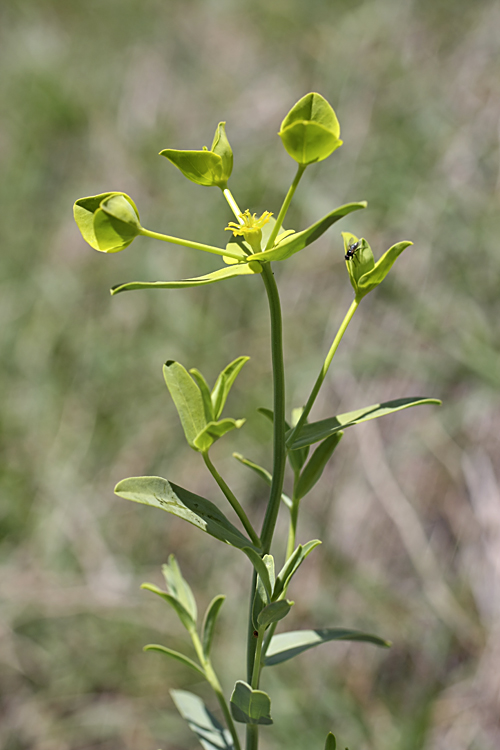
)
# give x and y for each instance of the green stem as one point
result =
(323, 371)
(252, 737)
(279, 447)
(188, 243)
(233, 205)
(232, 499)
(292, 530)
(284, 207)
(214, 683)
(253, 729)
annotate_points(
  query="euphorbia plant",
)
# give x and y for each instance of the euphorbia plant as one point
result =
(110, 222)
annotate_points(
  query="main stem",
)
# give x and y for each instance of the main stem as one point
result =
(323, 371)
(279, 461)
(279, 446)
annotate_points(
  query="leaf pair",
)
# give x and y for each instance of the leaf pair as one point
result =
(109, 222)
(364, 273)
(269, 605)
(199, 408)
(210, 168)
(180, 597)
(306, 478)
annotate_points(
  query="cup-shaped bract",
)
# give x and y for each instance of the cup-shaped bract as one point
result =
(109, 222)
(310, 132)
(209, 168)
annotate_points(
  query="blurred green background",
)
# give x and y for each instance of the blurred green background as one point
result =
(409, 510)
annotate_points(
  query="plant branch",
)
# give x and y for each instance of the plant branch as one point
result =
(233, 500)
(285, 206)
(319, 382)
(233, 205)
(188, 243)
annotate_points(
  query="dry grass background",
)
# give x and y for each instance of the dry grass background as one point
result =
(409, 510)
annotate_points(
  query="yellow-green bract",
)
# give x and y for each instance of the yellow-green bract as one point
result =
(210, 168)
(310, 132)
(109, 222)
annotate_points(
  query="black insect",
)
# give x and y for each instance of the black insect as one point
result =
(352, 250)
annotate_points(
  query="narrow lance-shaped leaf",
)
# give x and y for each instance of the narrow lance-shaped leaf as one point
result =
(179, 587)
(274, 612)
(223, 384)
(331, 742)
(261, 569)
(298, 241)
(285, 646)
(292, 565)
(205, 394)
(382, 267)
(201, 721)
(203, 514)
(175, 655)
(245, 269)
(250, 706)
(209, 622)
(316, 465)
(187, 399)
(316, 431)
(184, 616)
(263, 474)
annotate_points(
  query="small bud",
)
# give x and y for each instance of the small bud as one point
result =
(109, 222)
(210, 168)
(310, 131)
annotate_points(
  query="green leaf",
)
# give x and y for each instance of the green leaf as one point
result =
(262, 569)
(274, 612)
(292, 565)
(285, 646)
(178, 587)
(184, 616)
(250, 706)
(298, 241)
(316, 465)
(203, 514)
(331, 742)
(209, 168)
(201, 721)
(310, 131)
(223, 384)
(187, 399)
(245, 269)
(109, 222)
(382, 267)
(215, 430)
(209, 621)
(316, 431)
(175, 655)
(263, 474)
(205, 393)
